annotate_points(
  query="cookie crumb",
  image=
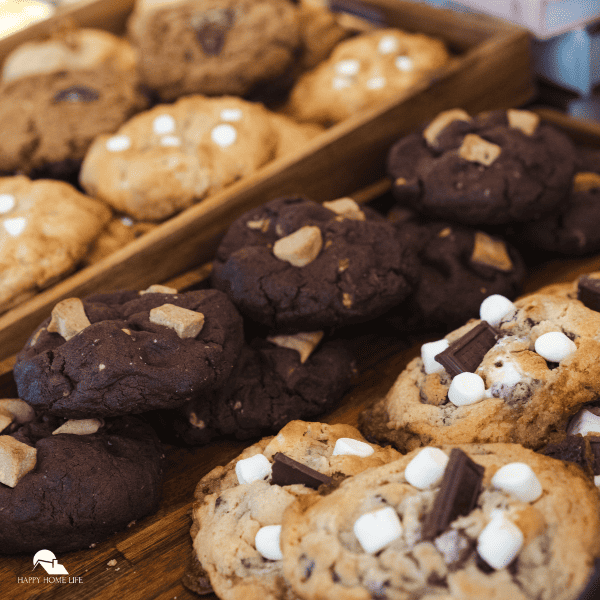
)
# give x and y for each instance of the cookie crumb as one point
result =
(112, 563)
(476, 149)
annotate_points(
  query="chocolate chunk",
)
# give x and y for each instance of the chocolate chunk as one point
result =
(467, 353)
(211, 29)
(76, 93)
(571, 449)
(287, 471)
(360, 10)
(592, 589)
(457, 495)
(588, 292)
(595, 451)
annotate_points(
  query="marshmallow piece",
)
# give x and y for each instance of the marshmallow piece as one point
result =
(404, 63)
(79, 426)
(351, 447)
(267, 542)
(428, 353)
(476, 149)
(387, 44)
(252, 469)
(339, 83)
(15, 226)
(375, 83)
(347, 67)
(170, 141)
(519, 480)
(118, 143)
(500, 541)
(7, 203)
(301, 247)
(584, 182)
(16, 460)
(68, 318)
(597, 480)
(346, 207)
(163, 124)
(304, 342)
(554, 346)
(223, 135)
(159, 289)
(231, 114)
(584, 423)
(16, 410)
(524, 120)
(466, 388)
(186, 323)
(426, 469)
(494, 308)
(375, 530)
(442, 121)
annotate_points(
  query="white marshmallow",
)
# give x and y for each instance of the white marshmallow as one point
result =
(7, 203)
(223, 135)
(494, 308)
(339, 83)
(170, 140)
(404, 63)
(375, 530)
(347, 67)
(387, 44)
(597, 480)
(376, 83)
(554, 346)
(584, 423)
(118, 143)
(466, 388)
(163, 124)
(500, 541)
(267, 542)
(231, 114)
(427, 468)
(15, 226)
(252, 469)
(519, 480)
(348, 446)
(429, 352)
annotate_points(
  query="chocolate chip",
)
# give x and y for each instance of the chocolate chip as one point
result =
(457, 496)
(588, 292)
(218, 502)
(76, 93)
(309, 565)
(211, 29)
(466, 353)
(592, 589)
(482, 565)
(287, 471)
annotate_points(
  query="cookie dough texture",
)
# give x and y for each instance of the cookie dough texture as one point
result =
(212, 47)
(83, 488)
(530, 177)
(166, 159)
(529, 398)
(123, 362)
(324, 559)
(57, 95)
(361, 270)
(45, 230)
(227, 515)
(365, 71)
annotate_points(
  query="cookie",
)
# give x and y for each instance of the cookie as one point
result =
(516, 377)
(274, 381)
(227, 515)
(495, 168)
(57, 95)
(129, 352)
(293, 264)
(82, 486)
(46, 228)
(455, 522)
(212, 47)
(459, 268)
(364, 71)
(166, 159)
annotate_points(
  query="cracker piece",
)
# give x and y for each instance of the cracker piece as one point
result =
(159, 289)
(584, 182)
(442, 121)
(17, 409)
(476, 149)
(16, 460)
(301, 247)
(346, 207)
(79, 426)
(68, 318)
(304, 343)
(186, 323)
(491, 252)
(524, 120)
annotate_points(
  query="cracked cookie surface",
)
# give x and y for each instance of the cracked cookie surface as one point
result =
(124, 362)
(361, 270)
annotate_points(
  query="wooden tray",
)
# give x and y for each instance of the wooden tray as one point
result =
(152, 555)
(491, 70)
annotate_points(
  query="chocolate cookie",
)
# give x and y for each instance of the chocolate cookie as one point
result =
(495, 168)
(56, 96)
(274, 381)
(212, 47)
(129, 352)
(295, 265)
(233, 504)
(81, 487)
(459, 268)
(470, 522)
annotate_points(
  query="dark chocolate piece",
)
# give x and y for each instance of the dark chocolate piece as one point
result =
(588, 292)
(76, 93)
(211, 30)
(595, 451)
(457, 495)
(287, 471)
(467, 353)
(571, 449)
(592, 589)
(360, 10)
